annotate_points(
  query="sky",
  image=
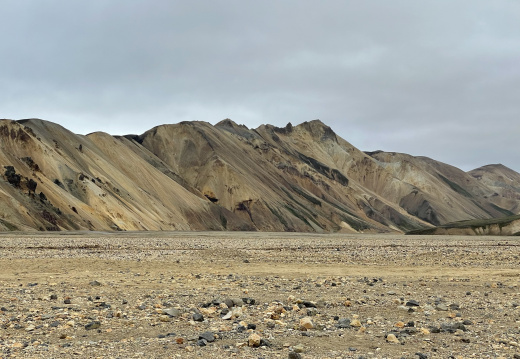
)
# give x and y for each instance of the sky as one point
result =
(436, 78)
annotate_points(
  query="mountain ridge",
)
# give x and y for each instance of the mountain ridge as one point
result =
(198, 176)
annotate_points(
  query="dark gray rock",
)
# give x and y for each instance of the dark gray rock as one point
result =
(412, 303)
(343, 323)
(293, 355)
(308, 304)
(202, 342)
(249, 301)
(435, 330)
(265, 343)
(208, 336)
(229, 302)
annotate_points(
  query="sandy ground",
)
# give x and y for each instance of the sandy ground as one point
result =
(106, 295)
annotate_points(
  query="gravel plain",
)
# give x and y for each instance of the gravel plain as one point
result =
(258, 295)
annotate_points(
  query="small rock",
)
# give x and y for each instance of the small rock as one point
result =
(228, 302)
(172, 312)
(391, 338)
(343, 323)
(93, 325)
(254, 340)
(208, 336)
(424, 331)
(241, 329)
(306, 324)
(265, 343)
(30, 328)
(355, 323)
(237, 302)
(308, 304)
(435, 330)
(95, 283)
(441, 307)
(197, 317)
(202, 342)
(248, 301)
(165, 318)
(412, 303)
(293, 355)
(299, 348)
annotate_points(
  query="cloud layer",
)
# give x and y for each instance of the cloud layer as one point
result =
(433, 78)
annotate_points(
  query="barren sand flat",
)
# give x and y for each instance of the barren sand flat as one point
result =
(258, 295)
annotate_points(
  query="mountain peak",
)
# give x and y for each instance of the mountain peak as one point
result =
(319, 130)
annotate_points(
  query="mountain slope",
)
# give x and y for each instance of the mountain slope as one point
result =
(442, 193)
(196, 176)
(91, 182)
(504, 183)
(281, 179)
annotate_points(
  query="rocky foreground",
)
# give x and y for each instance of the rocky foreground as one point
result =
(258, 295)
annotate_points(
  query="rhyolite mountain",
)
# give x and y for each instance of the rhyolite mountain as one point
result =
(196, 176)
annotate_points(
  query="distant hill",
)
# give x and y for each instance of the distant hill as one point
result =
(196, 176)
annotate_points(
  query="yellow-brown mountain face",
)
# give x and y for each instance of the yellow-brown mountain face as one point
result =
(196, 176)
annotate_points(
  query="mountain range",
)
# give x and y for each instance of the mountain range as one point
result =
(198, 176)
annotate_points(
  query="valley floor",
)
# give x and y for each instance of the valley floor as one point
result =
(134, 295)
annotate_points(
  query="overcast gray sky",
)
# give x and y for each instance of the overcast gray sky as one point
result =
(439, 78)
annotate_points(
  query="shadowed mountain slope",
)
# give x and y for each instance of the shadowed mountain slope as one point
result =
(196, 176)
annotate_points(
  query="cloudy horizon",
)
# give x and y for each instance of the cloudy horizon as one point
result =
(432, 78)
